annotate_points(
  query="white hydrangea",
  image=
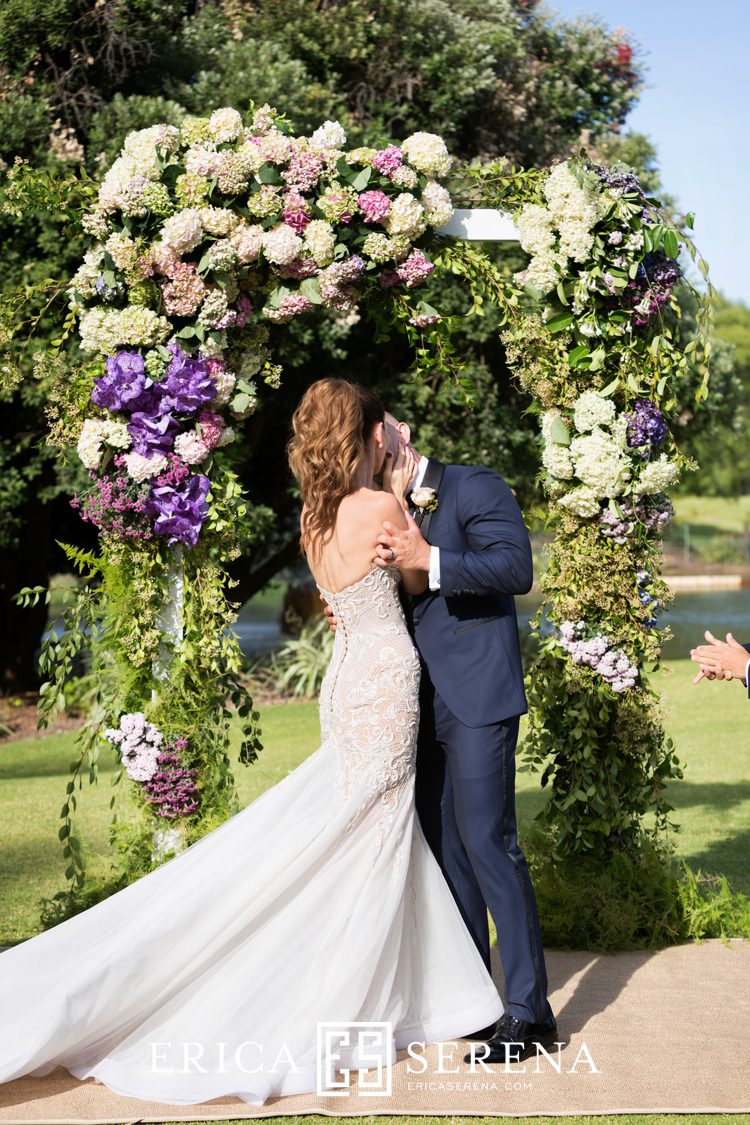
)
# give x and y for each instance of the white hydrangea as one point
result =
(141, 144)
(228, 435)
(182, 232)
(405, 177)
(281, 245)
(428, 154)
(406, 216)
(247, 240)
(329, 135)
(225, 124)
(600, 463)
(142, 468)
(95, 433)
(535, 229)
(202, 160)
(164, 841)
(437, 204)
(320, 242)
(218, 220)
(85, 277)
(581, 502)
(191, 448)
(276, 147)
(116, 434)
(90, 443)
(104, 330)
(592, 410)
(136, 165)
(657, 476)
(225, 382)
(122, 250)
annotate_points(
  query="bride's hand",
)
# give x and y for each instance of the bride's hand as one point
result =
(399, 472)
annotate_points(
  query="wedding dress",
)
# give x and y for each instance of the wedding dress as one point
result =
(320, 901)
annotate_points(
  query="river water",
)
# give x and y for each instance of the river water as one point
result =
(721, 611)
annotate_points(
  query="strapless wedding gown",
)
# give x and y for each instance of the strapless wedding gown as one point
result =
(320, 901)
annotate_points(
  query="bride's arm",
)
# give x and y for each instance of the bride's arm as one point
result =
(390, 511)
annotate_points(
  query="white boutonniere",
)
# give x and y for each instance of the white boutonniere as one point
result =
(424, 498)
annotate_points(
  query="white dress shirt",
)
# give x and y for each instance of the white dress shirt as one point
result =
(434, 576)
(747, 676)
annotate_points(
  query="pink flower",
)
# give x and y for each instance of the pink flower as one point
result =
(387, 160)
(212, 427)
(244, 308)
(296, 213)
(292, 305)
(184, 293)
(304, 170)
(374, 205)
(414, 269)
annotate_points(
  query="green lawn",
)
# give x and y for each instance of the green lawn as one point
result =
(626, 1119)
(724, 513)
(708, 722)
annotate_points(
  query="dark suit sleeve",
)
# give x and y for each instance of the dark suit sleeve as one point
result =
(499, 559)
(747, 649)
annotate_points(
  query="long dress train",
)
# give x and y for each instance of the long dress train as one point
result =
(320, 901)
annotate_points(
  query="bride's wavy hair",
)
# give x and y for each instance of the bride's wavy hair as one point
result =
(330, 430)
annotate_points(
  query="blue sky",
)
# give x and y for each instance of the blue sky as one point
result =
(695, 107)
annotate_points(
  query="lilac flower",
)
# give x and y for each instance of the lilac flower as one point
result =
(646, 427)
(124, 382)
(594, 650)
(179, 511)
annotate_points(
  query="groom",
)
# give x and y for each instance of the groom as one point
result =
(468, 534)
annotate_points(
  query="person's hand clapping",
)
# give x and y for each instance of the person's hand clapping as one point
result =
(720, 660)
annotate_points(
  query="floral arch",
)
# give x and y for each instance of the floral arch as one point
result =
(200, 235)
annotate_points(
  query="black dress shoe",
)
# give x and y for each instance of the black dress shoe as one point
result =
(514, 1039)
(484, 1033)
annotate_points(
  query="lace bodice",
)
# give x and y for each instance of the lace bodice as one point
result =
(369, 701)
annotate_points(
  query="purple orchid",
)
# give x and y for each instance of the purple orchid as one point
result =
(124, 382)
(152, 433)
(188, 383)
(179, 512)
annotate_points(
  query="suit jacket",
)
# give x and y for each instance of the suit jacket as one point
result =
(467, 631)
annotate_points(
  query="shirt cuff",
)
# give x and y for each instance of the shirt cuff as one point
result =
(435, 569)
(747, 678)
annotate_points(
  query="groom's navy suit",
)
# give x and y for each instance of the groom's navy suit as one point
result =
(471, 698)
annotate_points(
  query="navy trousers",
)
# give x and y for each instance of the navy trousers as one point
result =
(465, 796)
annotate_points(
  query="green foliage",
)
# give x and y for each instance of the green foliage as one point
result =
(298, 667)
(642, 900)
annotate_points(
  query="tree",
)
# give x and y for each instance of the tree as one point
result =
(498, 77)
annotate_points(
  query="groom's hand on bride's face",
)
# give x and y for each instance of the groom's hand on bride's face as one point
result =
(406, 549)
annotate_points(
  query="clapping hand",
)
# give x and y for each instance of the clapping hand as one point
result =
(720, 660)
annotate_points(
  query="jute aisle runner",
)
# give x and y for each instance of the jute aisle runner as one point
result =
(645, 1032)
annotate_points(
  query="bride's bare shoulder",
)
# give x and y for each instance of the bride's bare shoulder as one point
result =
(368, 504)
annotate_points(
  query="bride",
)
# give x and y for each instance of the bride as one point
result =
(319, 902)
